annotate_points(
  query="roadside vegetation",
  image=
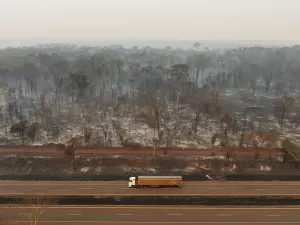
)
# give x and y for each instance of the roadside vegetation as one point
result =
(29, 209)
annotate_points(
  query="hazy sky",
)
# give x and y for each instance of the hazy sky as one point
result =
(151, 19)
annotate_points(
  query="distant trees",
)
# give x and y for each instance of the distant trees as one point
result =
(282, 106)
(23, 129)
(232, 92)
(199, 63)
(20, 128)
(31, 76)
(152, 114)
(197, 108)
(197, 45)
(179, 74)
(79, 85)
(156, 105)
(32, 130)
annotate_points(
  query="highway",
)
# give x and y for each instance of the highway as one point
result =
(120, 188)
(165, 215)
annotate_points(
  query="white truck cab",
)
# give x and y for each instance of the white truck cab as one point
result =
(131, 182)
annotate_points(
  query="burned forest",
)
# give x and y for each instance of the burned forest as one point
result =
(135, 97)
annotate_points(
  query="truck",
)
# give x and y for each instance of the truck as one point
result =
(155, 181)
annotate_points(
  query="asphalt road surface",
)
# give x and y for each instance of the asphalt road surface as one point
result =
(120, 188)
(123, 151)
(165, 215)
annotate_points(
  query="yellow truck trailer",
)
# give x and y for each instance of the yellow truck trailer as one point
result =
(155, 181)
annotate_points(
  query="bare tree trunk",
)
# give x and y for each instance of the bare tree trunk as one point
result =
(197, 75)
(74, 162)
(157, 120)
(154, 150)
(196, 121)
(154, 144)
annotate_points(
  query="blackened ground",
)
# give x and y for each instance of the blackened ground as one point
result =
(205, 201)
(119, 168)
(187, 177)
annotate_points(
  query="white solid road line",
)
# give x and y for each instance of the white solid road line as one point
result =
(87, 188)
(75, 214)
(273, 215)
(216, 188)
(224, 214)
